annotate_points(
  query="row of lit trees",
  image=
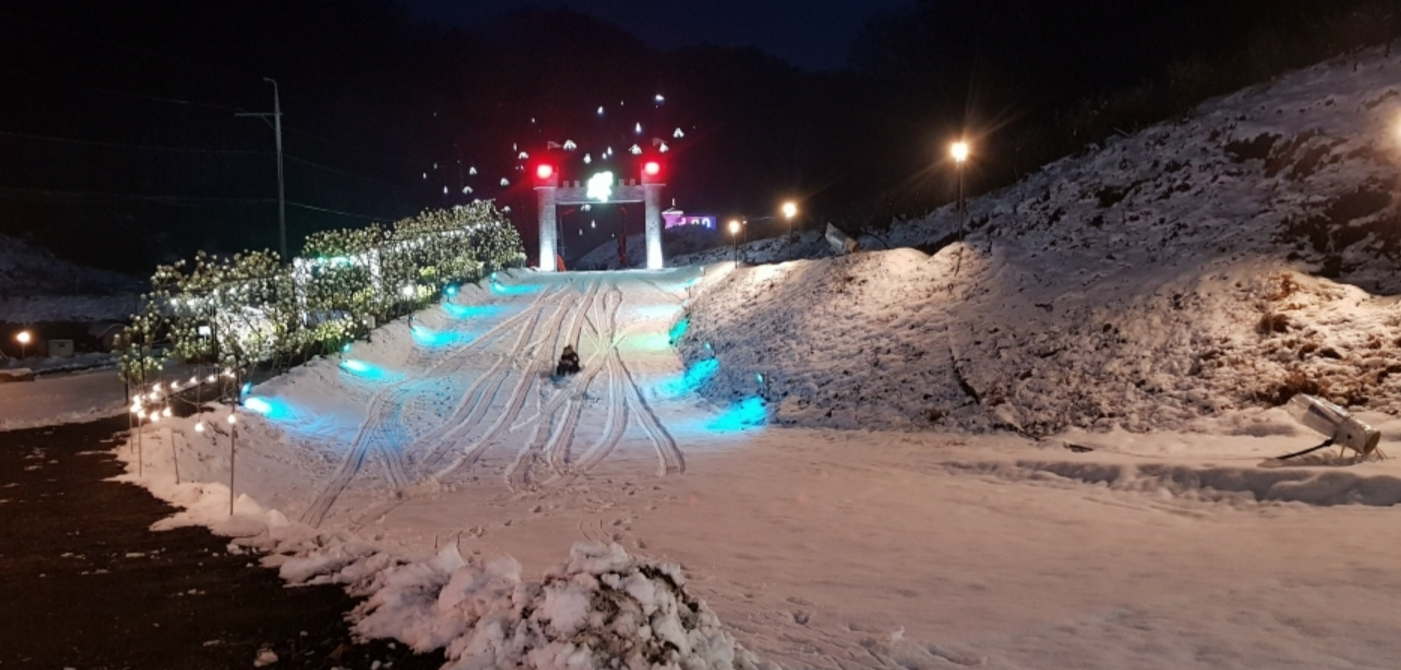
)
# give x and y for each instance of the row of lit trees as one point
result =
(250, 308)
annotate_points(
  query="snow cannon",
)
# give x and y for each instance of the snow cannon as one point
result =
(1335, 423)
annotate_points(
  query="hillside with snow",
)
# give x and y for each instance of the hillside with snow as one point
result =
(1218, 262)
(37, 286)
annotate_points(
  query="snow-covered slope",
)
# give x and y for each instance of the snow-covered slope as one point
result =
(1225, 260)
(36, 286)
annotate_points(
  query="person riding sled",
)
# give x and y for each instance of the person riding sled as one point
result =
(568, 362)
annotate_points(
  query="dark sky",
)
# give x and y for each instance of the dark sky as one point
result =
(814, 35)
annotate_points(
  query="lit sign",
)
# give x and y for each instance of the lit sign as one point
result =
(704, 221)
(601, 186)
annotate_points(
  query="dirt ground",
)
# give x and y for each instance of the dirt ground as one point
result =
(84, 584)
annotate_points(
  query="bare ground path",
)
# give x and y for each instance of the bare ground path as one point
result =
(85, 584)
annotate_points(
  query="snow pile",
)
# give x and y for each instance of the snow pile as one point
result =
(602, 609)
(1221, 262)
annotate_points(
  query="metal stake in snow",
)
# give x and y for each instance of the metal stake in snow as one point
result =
(233, 447)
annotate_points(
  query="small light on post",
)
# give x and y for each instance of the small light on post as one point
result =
(790, 210)
(960, 152)
(734, 233)
(23, 337)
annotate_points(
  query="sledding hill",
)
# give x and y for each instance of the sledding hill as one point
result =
(1219, 262)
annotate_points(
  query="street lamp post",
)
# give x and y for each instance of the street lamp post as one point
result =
(960, 151)
(790, 210)
(23, 338)
(734, 234)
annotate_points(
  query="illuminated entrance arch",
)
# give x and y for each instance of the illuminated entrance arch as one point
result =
(601, 188)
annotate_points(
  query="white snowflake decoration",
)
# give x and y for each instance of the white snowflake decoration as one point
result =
(678, 134)
(569, 145)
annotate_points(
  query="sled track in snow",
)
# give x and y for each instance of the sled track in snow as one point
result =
(549, 444)
(518, 473)
(387, 404)
(672, 460)
(540, 362)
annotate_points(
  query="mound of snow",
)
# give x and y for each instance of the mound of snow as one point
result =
(1220, 262)
(603, 609)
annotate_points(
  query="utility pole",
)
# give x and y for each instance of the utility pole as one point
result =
(281, 191)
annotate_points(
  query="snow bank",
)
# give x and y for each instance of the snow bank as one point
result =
(603, 608)
(1214, 264)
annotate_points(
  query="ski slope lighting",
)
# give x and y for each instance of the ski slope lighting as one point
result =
(365, 370)
(470, 311)
(269, 408)
(427, 337)
(692, 379)
(678, 331)
(743, 415)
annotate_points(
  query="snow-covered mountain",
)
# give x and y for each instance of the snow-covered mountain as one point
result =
(1223, 260)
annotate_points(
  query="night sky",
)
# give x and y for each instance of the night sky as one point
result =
(811, 35)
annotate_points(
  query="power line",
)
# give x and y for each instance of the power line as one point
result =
(174, 200)
(416, 161)
(16, 192)
(121, 145)
(336, 211)
(318, 166)
(143, 96)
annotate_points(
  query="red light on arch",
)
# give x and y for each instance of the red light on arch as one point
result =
(544, 171)
(651, 168)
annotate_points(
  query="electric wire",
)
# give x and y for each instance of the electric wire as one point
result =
(122, 145)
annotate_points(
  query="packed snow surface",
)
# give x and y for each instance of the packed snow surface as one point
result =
(813, 443)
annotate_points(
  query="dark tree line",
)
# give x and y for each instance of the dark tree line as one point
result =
(119, 146)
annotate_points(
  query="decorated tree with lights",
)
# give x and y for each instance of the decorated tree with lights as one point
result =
(242, 310)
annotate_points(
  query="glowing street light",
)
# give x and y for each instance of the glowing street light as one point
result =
(790, 210)
(734, 233)
(23, 338)
(960, 151)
